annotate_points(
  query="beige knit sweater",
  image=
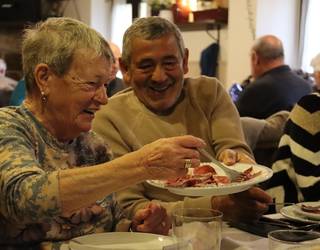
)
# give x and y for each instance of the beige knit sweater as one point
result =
(206, 111)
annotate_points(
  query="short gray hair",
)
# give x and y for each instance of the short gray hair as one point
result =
(54, 43)
(269, 47)
(149, 28)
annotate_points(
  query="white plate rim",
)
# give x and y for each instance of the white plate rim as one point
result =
(220, 189)
(289, 212)
(84, 241)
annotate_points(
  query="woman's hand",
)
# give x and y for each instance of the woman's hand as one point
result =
(248, 205)
(230, 157)
(166, 158)
(152, 219)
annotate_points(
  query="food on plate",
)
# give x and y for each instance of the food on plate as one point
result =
(204, 169)
(310, 209)
(206, 175)
(247, 174)
(200, 176)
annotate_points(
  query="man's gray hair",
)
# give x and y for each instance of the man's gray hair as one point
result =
(149, 28)
(269, 47)
(55, 41)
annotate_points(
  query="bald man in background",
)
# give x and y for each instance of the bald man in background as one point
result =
(275, 87)
(116, 84)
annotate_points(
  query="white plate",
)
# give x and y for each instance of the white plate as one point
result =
(121, 241)
(309, 215)
(221, 189)
(291, 213)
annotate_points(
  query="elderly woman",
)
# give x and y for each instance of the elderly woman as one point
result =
(56, 177)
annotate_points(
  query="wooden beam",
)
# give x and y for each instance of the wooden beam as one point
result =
(135, 7)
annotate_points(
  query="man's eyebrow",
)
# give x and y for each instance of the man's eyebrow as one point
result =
(170, 57)
(145, 59)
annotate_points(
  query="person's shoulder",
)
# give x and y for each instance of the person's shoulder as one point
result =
(204, 90)
(261, 84)
(124, 93)
(291, 74)
(305, 114)
(12, 117)
(310, 102)
(263, 80)
(203, 84)
(120, 97)
(120, 103)
(9, 113)
(202, 80)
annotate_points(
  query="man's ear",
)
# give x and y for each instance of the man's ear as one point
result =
(185, 61)
(124, 68)
(42, 74)
(254, 58)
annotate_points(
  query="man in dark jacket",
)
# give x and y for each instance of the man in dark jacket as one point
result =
(276, 87)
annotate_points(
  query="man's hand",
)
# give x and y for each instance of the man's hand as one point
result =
(248, 205)
(152, 219)
(230, 157)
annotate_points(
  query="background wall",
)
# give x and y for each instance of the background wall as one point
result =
(196, 41)
(280, 18)
(81, 10)
(241, 33)
(253, 18)
(247, 19)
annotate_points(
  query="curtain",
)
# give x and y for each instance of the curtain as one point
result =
(302, 29)
(311, 37)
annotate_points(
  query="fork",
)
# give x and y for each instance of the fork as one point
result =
(282, 223)
(232, 174)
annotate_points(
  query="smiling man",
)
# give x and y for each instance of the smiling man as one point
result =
(162, 103)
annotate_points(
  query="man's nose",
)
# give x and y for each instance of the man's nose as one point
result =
(159, 74)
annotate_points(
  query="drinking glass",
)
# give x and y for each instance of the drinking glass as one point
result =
(197, 228)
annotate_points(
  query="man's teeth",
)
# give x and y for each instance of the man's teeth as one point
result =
(159, 88)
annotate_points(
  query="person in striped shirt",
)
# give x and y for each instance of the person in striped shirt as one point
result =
(297, 166)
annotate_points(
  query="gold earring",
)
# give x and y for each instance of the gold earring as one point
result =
(43, 97)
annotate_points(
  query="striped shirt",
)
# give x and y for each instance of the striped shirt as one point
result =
(297, 166)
